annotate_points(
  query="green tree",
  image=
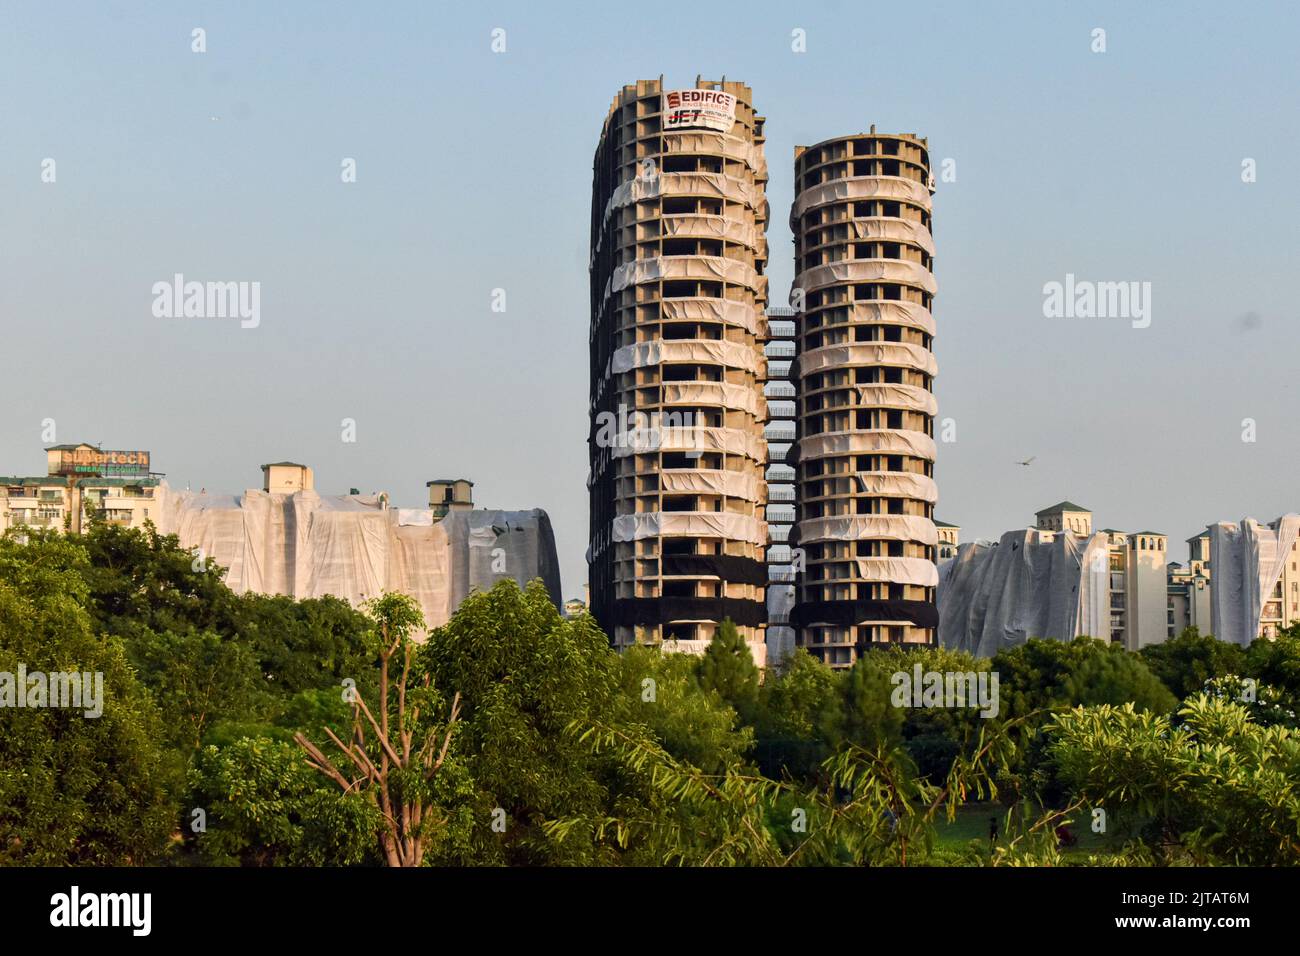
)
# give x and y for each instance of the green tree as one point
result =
(728, 669)
(264, 806)
(74, 789)
(869, 719)
(197, 680)
(1220, 788)
(1277, 663)
(694, 725)
(304, 645)
(395, 759)
(140, 580)
(1184, 663)
(799, 718)
(1117, 677)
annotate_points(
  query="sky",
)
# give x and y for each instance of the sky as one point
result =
(473, 173)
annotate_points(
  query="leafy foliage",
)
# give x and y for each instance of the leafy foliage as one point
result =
(74, 789)
(265, 807)
(514, 736)
(1219, 788)
(1184, 663)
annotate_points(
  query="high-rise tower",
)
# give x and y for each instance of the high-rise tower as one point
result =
(865, 490)
(678, 248)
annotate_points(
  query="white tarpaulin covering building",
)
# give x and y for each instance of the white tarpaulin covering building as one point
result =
(355, 547)
(1029, 584)
(1247, 560)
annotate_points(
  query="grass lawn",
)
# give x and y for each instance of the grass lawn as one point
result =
(972, 823)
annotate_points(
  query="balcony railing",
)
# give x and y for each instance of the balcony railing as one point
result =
(37, 522)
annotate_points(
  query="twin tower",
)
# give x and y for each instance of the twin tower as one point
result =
(771, 466)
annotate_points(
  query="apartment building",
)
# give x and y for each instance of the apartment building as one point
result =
(1139, 588)
(1137, 585)
(949, 539)
(1253, 573)
(82, 480)
(450, 494)
(677, 449)
(1059, 579)
(1189, 589)
(865, 497)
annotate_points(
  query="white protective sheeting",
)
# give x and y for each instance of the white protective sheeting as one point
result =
(711, 351)
(894, 484)
(696, 394)
(859, 187)
(709, 481)
(304, 545)
(1247, 560)
(898, 570)
(1029, 584)
(706, 309)
(731, 440)
(714, 144)
(709, 268)
(710, 185)
(893, 312)
(1230, 596)
(901, 354)
(867, 270)
(894, 230)
(712, 227)
(908, 397)
(690, 524)
(780, 637)
(881, 441)
(856, 527)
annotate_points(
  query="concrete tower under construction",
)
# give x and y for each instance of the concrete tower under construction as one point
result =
(864, 456)
(678, 294)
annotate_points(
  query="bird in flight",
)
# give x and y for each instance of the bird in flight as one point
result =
(1027, 461)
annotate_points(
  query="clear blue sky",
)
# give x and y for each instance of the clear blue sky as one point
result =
(474, 173)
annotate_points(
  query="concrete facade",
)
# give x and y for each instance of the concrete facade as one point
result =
(1189, 589)
(949, 539)
(447, 495)
(287, 478)
(677, 452)
(1138, 591)
(863, 288)
(65, 501)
